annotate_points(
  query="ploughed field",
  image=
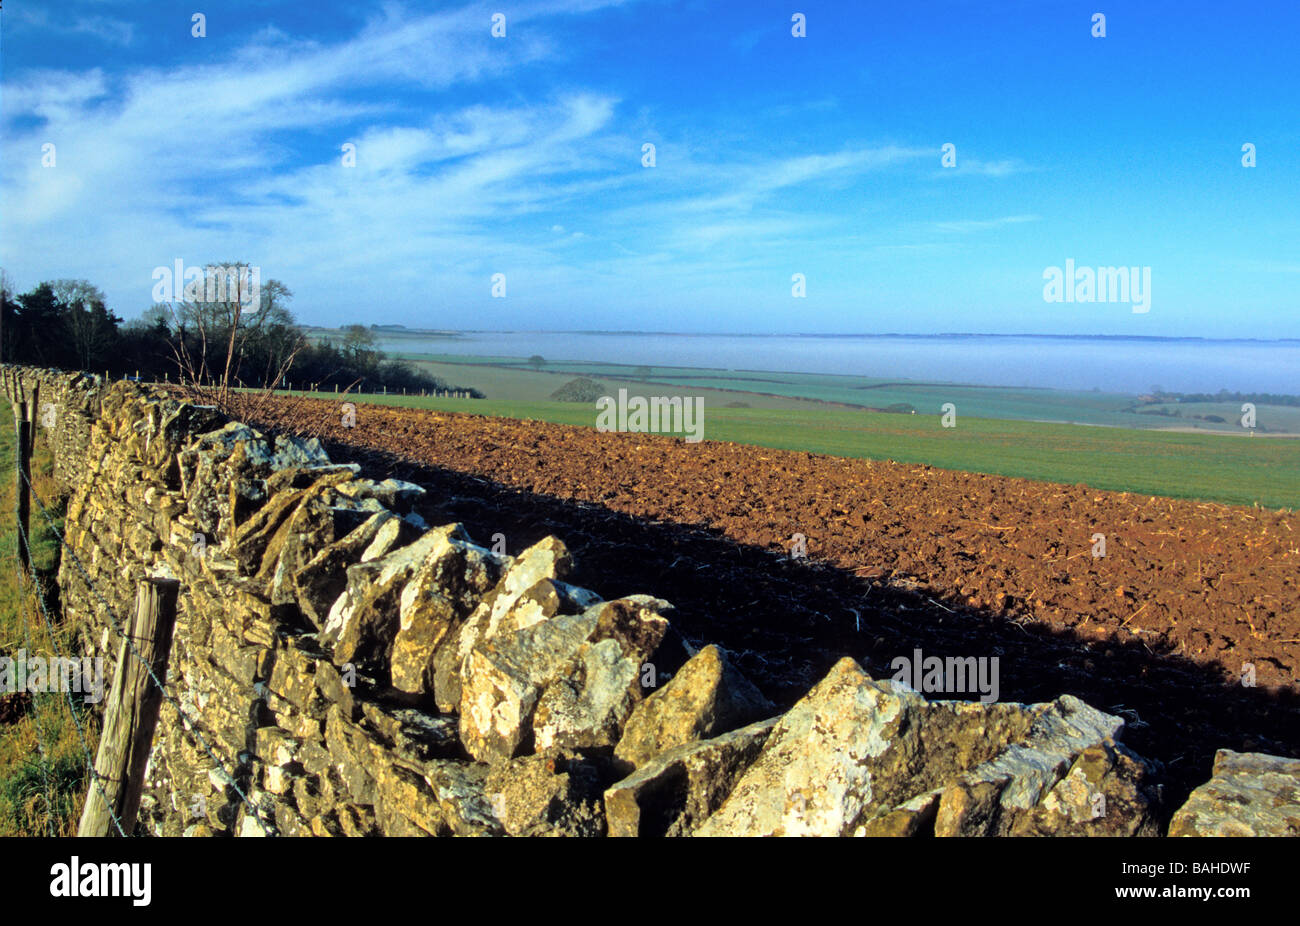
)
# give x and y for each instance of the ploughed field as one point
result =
(1187, 598)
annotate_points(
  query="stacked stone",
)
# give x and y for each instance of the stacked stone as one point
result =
(340, 668)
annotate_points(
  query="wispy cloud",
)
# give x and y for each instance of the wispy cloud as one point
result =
(523, 156)
(434, 192)
(965, 226)
(110, 30)
(975, 167)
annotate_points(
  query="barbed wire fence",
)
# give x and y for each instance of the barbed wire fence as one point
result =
(43, 751)
(97, 781)
(88, 763)
(123, 636)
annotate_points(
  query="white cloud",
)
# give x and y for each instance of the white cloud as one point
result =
(112, 31)
(968, 166)
(964, 226)
(241, 159)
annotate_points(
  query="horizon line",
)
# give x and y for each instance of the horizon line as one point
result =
(805, 334)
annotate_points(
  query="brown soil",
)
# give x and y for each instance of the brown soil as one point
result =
(900, 557)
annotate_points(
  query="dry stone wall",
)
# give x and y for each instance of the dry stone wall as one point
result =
(66, 407)
(339, 667)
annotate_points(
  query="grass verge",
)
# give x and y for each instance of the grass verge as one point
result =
(42, 759)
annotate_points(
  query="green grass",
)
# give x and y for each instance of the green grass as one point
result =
(36, 798)
(39, 799)
(514, 379)
(1269, 418)
(1231, 468)
(521, 383)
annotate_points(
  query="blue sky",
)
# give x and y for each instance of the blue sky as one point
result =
(775, 155)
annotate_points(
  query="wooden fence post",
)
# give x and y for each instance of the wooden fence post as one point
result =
(34, 404)
(22, 474)
(131, 713)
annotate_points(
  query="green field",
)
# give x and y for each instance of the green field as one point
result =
(1237, 469)
(1104, 440)
(515, 380)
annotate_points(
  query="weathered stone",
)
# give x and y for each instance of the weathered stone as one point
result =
(320, 582)
(141, 541)
(279, 779)
(364, 620)
(205, 467)
(588, 703)
(315, 757)
(425, 619)
(350, 755)
(260, 632)
(504, 677)
(460, 787)
(250, 826)
(548, 560)
(393, 494)
(673, 793)
(1250, 794)
(355, 820)
(408, 805)
(856, 755)
(302, 536)
(708, 696)
(237, 660)
(325, 825)
(292, 680)
(274, 747)
(334, 688)
(392, 533)
(555, 793)
(289, 823)
(307, 796)
(446, 586)
(414, 735)
(258, 542)
(914, 817)
(1108, 791)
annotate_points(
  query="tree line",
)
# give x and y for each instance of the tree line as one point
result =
(256, 342)
(1223, 395)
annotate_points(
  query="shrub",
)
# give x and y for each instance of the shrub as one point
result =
(582, 389)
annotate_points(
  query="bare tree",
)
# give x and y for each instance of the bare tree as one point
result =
(229, 306)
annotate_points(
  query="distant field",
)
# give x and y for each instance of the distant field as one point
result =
(515, 380)
(524, 384)
(1270, 418)
(1233, 469)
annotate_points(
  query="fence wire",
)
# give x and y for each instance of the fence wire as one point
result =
(120, 631)
(36, 717)
(81, 734)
